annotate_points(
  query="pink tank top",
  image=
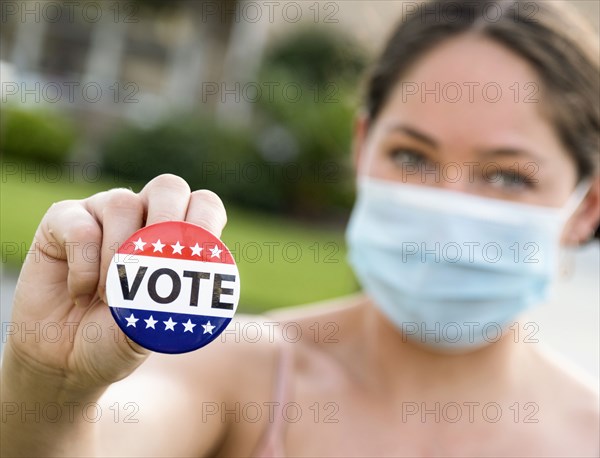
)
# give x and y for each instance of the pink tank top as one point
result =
(271, 443)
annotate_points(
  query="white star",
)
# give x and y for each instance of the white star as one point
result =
(208, 328)
(158, 246)
(131, 320)
(215, 252)
(196, 250)
(170, 324)
(150, 322)
(177, 248)
(139, 244)
(189, 326)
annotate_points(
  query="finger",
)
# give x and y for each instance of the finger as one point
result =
(121, 213)
(71, 228)
(165, 198)
(206, 209)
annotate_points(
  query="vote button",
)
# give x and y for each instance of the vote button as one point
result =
(173, 287)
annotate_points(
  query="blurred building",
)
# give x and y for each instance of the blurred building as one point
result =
(123, 59)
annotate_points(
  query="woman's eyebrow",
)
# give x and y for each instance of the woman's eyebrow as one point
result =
(512, 152)
(413, 132)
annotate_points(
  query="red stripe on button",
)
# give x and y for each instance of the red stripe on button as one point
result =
(198, 243)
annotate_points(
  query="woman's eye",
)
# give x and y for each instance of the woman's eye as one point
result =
(509, 180)
(403, 157)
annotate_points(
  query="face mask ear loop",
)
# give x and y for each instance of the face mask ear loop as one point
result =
(578, 195)
(566, 262)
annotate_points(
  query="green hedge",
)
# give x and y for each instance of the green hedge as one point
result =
(38, 134)
(206, 155)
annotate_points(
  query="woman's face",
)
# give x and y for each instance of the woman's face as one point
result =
(470, 116)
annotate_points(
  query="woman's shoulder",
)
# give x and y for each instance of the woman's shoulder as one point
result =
(250, 348)
(562, 372)
(311, 337)
(572, 392)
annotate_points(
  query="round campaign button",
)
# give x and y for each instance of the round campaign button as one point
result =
(173, 287)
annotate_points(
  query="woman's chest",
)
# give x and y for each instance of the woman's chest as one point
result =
(326, 422)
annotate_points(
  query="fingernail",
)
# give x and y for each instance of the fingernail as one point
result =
(83, 300)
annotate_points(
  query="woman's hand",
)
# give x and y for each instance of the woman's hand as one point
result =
(63, 281)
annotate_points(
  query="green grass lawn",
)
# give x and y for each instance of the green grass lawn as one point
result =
(281, 262)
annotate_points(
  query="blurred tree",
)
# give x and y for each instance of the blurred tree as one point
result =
(317, 56)
(324, 68)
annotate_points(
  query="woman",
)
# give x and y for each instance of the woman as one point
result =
(480, 130)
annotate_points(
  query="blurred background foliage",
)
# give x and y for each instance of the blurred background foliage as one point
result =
(292, 158)
(38, 134)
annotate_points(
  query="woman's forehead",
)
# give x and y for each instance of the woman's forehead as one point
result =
(473, 87)
(470, 70)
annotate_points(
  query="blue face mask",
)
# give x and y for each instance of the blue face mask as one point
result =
(449, 269)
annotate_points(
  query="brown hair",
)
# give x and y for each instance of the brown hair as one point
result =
(550, 35)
